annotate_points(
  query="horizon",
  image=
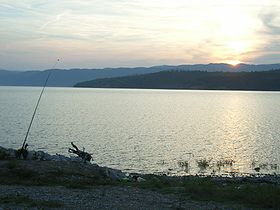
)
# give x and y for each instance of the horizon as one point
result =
(98, 34)
(127, 67)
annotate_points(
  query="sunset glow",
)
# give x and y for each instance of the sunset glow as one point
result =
(233, 62)
(93, 34)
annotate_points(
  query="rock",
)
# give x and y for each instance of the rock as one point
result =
(58, 157)
(39, 155)
(6, 153)
(114, 174)
(43, 156)
(140, 179)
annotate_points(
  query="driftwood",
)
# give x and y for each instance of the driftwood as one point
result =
(81, 153)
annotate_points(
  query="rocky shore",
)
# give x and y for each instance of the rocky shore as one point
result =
(44, 181)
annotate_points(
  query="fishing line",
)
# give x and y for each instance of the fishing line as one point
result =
(39, 99)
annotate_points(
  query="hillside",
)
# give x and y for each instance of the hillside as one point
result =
(61, 78)
(68, 78)
(269, 80)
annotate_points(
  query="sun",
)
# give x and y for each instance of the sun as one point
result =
(234, 62)
(235, 49)
(234, 34)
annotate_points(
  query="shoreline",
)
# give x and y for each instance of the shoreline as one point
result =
(44, 156)
(45, 178)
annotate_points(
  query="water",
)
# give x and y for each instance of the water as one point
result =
(149, 131)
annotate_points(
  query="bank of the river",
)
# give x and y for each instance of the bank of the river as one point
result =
(66, 184)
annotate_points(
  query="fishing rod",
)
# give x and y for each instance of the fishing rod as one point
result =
(39, 99)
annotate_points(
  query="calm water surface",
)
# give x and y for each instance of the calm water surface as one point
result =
(149, 131)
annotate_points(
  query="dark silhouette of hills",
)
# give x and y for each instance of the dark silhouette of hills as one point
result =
(60, 78)
(68, 78)
(266, 80)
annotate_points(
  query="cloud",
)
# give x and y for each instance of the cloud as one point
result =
(133, 31)
(55, 20)
(271, 22)
(269, 52)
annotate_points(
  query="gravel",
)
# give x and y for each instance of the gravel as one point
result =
(102, 197)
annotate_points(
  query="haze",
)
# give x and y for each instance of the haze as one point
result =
(107, 33)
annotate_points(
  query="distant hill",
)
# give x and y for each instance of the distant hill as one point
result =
(68, 78)
(266, 80)
(60, 78)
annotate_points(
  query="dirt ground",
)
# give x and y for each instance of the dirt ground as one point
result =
(99, 197)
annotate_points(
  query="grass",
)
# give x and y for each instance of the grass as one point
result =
(223, 163)
(184, 165)
(246, 192)
(13, 172)
(206, 189)
(26, 201)
(203, 164)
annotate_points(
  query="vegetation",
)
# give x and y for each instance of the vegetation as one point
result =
(68, 78)
(262, 195)
(47, 173)
(267, 80)
(203, 164)
(184, 165)
(252, 192)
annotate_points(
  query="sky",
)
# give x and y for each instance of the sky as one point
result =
(130, 33)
